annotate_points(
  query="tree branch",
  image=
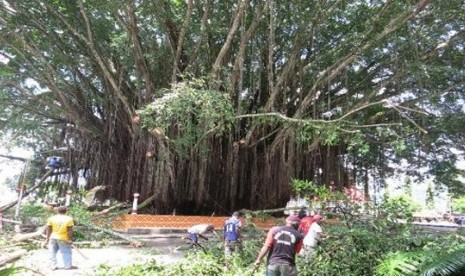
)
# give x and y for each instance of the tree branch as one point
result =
(227, 45)
(185, 26)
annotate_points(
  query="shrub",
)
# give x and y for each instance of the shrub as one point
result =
(458, 205)
(401, 207)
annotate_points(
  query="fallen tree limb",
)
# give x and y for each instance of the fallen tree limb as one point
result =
(160, 236)
(100, 243)
(11, 258)
(132, 241)
(145, 203)
(141, 206)
(12, 246)
(246, 211)
(22, 237)
(14, 158)
(10, 220)
(27, 192)
(90, 200)
(108, 210)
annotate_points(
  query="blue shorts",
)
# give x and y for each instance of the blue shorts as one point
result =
(194, 237)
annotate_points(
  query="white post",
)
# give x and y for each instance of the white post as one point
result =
(134, 204)
(68, 198)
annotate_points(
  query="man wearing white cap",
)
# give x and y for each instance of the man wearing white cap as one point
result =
(282, 243)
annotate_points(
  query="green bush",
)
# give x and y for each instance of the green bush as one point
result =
(357, 249)
(401, 207)
(210, 262)
(445, 255)
(7, 271)
(458, 205)
(37, 213)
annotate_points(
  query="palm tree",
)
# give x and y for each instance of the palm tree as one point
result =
(427, 263)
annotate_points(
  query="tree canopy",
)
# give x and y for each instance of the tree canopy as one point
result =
(330, 91)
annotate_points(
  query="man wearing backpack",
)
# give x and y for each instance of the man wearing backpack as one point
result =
(232, 236)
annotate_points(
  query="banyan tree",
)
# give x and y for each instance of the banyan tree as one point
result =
(219, 104)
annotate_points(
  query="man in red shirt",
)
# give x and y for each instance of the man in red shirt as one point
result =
(282, 243)
(305, 223)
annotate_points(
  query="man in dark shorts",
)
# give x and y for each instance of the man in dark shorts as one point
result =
(197, 231)
(232, 235)
(282, 243)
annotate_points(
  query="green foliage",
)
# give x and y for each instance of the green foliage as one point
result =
(357, 250)
(458, 205)
(188, 113)
(36, 211)
(307, 132)
(427, 262)
(408, 186)
(38, 215)
(197, 262)
(80, 214)
(306, 188)
(381, 247)
(400, 206)
(11, 271)
(213, 263)
(400, 264)
(452, 264)
(368, 247)
(302, 186)
(151, 268)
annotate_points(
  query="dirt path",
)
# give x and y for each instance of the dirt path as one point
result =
(88, 261)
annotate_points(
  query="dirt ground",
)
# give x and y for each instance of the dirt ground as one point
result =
(88, 260)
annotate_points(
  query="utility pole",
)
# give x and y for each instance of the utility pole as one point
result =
(22, 182)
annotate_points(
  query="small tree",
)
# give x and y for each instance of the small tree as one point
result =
(430, 196)
(307, 189)
(401, 206)
(408, 186)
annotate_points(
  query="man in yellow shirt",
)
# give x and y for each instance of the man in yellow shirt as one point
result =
(59, 233)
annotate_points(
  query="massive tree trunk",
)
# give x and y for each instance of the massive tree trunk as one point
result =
(229, 175)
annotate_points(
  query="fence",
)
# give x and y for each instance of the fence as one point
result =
(125, 222)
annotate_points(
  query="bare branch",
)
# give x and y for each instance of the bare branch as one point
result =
(14, 158)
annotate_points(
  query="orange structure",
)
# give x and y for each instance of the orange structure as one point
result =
(125, 222)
